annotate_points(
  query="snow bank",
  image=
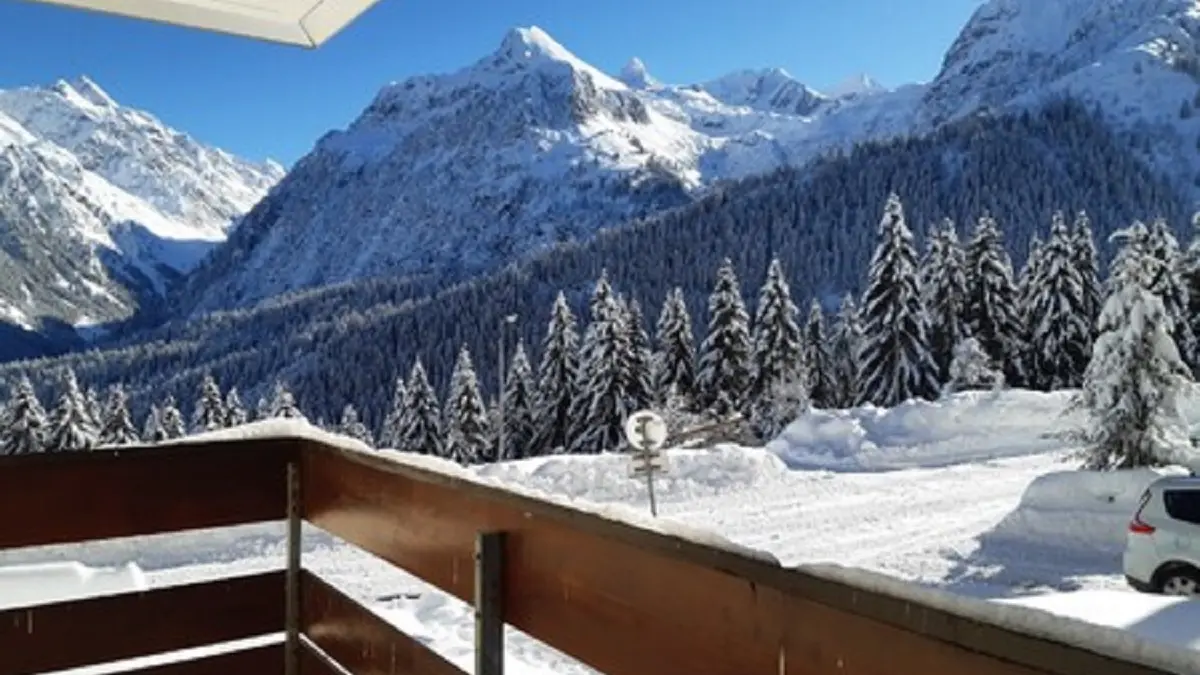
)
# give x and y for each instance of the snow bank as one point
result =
(1170, 620)
(1151, 647)
(965, 427)
(39, 584)
(1081, 512)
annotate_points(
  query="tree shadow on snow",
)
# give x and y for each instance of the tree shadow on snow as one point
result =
(1176, 624)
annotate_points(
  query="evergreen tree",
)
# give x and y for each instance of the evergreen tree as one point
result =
(153, 430)
(171, 419)
(118, 427)
(467, 432)
(972, 369)
(675, 360)
(640, 359)
(391, 433)
(603, 397)
(1169, 285)
(557, 381)
(421, 423)
(992, 312)
(283, 405)
(723, 375)
(235, 412)
(846, 342)
(944, 289)
(350, 426)
(262, 410)
(894, 360)
(778, 344)
(1135, 376)
(71, 425)
(95, 411)
(818, 360)
(1083, 252)
(1060, 335)
(518, 422)
(1029, 285)
(210, 413)
(25, 426)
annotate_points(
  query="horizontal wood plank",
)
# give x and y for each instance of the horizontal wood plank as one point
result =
(261, 660)
(117, 627)
(358, 639)
(139, 491)
(629, 601)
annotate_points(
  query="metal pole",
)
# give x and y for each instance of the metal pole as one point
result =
(291, 653)
(650, 486)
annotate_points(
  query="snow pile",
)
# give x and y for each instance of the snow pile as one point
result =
(1170, 620)
(39, 584)
(1079, 511)
(966, 427)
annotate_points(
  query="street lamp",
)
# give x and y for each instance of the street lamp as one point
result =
(504, 324)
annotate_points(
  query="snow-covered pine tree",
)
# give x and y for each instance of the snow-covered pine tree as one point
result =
(95, 411)
(171, 419)
(352, 427)
(778, 343)
(25, 424)
(421, 424)
(210, 413)
(1087, 262)
(845, 343)
(780, 405)
(235, 412)
(118, 427)
(556, 385)
(518, 406)
(640, 370)
(604, 309)
(283, 404)
(1189, 273)
(723, 376)
(153, 430)
(71, 425)
(1029, 284)
(675, 359)
(262, 409)
(944, 289)
(1060, 335)
(392, 431)
(822, 389)
(603, 396)
(467, 432)
(992, 313)
(1168, 284)
(894, 360)
(1135, 376)
(972, 369)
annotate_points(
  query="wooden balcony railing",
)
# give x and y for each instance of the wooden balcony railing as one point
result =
(624, 600)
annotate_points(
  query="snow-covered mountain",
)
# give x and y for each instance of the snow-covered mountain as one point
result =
(102, 205)
(1138, 61)
(454, 174)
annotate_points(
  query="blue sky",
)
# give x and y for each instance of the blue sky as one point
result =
(262, 100)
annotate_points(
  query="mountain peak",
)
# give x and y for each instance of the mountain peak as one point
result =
(83, 92)
(528, 43)
(856, 85)
(637, 76)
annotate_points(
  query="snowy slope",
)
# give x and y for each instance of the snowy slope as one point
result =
(454, 174)
(102, 205)
(940, 516)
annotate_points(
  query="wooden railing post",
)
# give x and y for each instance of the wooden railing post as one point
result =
(489, 608)
(291, 654)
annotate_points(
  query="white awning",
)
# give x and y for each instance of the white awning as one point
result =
(307, 23)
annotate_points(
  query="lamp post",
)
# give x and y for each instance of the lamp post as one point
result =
(504, 324)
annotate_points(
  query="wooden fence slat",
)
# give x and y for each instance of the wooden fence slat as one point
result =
(139, 491)
(359, 640)
(262, 660)
(629, 601)
(117, 627)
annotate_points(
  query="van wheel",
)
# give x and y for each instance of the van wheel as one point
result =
(1180, 580)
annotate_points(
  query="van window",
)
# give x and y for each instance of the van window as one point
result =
(1183, 505)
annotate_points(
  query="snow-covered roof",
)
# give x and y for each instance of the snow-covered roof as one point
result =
(308, 23)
